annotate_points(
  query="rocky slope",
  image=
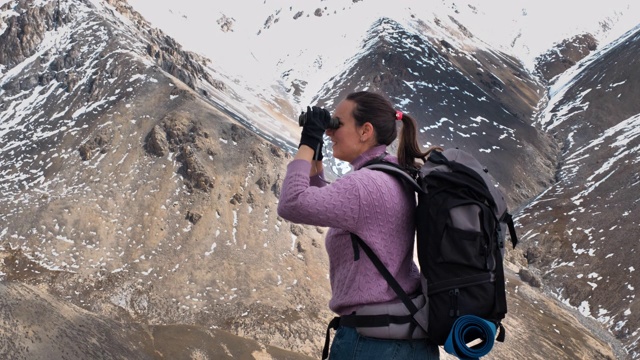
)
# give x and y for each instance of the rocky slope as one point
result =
(39, 325)
(565, 55)
(581, 233)
(137, 195)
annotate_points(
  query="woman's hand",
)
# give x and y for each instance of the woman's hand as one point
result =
(316, 121)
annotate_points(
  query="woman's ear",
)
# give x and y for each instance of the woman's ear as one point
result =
(367, 132)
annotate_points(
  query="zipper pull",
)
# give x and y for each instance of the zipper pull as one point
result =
(453, 300)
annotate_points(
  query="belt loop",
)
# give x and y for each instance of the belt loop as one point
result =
(333, 324)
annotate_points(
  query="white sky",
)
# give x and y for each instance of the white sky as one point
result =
(314, 47)
(525, 28)
(193, 22)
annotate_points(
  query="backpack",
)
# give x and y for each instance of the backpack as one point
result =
(461, 220)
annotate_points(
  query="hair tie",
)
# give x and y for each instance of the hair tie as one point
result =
(398, 115)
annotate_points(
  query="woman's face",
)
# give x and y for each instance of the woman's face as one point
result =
(347, 140)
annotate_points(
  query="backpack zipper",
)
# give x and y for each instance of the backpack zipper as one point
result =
(453, 300)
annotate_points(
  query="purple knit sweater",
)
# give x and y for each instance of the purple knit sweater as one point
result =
(373, 205)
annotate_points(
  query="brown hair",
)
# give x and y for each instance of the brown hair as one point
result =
(377, 110)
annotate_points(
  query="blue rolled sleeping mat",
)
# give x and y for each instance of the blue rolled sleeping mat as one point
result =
(465, 333)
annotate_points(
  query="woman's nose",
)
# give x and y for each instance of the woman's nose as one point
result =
(329, 132)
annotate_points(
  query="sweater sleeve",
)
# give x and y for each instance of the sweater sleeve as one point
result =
(333, 205)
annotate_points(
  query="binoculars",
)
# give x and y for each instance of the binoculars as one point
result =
(332, 124)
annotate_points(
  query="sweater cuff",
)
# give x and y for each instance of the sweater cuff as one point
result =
(299, 166)
(303, 167)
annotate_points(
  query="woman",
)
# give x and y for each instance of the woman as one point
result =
(371, 204)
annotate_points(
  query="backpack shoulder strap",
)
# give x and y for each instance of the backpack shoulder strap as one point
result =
(394, 170)
(393, 283)
(508, 219)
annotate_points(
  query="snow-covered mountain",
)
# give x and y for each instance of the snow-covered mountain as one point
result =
(584, 230)
(140, 163)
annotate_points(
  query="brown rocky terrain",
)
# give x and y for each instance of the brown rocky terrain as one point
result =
(39, 325)
(138, 203)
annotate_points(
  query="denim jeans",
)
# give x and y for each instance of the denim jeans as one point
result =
(349, 345)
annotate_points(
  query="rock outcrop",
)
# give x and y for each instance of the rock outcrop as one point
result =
(564, 55)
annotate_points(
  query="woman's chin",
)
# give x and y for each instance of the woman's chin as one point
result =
(335, 152)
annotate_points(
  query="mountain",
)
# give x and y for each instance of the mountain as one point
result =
(139, 180)
(462, 94)
(126, 192)
(582, 231)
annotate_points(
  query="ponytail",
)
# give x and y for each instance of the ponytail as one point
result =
(408, 148)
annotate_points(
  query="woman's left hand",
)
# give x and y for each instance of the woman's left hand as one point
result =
(316, 121)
